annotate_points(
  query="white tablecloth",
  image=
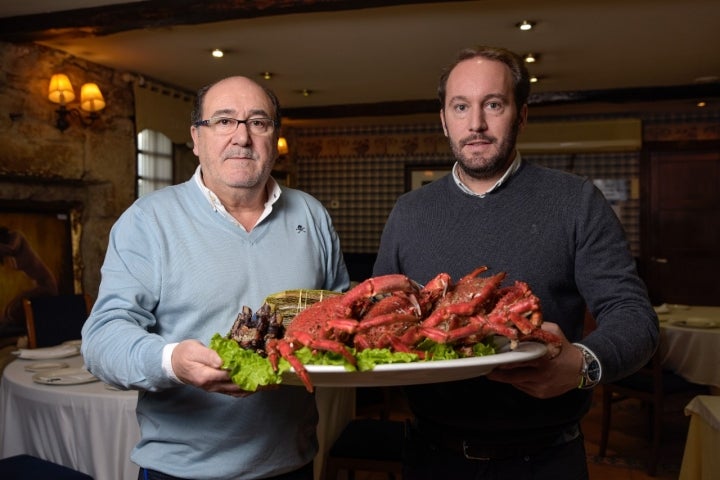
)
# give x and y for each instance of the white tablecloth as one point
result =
(693, 353)
(93, 429)
(701, 460)
(86, 427)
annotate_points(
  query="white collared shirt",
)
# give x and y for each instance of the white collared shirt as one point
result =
(508, 173)
(273, 191)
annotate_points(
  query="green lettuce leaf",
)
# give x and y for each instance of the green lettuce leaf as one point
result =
(247, 369)
(310, 357)
(369, 358)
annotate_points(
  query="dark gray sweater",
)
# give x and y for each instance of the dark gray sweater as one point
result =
(551, 229)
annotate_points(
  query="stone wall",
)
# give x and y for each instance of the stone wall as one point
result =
(93, 166)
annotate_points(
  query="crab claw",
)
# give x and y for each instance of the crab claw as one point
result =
(371, 287)
(286, 351)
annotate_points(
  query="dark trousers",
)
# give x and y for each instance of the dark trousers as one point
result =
(566, 461)
(304, 473)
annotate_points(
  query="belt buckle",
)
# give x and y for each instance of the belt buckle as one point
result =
(468, 454)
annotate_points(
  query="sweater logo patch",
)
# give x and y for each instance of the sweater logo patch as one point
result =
(300, 229)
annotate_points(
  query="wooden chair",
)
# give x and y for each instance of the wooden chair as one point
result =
(371, 442)
(653, 386)
(368, 445)
(54, 319)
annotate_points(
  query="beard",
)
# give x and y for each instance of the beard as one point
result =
(486, 166)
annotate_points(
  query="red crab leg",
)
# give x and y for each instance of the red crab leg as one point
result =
(469, 307)
(346, 325)
(479, 325)
(386, 319)
(522, 323)
(509, 295)
(470, 276)
(286, 351)
(374, 286)
(433, 290)
(324, 344)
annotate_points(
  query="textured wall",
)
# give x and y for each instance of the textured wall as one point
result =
(358, 173)
(93, 167)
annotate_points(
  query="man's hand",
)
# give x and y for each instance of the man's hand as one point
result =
(195, 364)
(544, 377)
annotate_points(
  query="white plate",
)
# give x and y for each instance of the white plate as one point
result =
(417, 372)
(48, 353)
(65, 376)
(76, 343)
(696, 322)
(45, 366)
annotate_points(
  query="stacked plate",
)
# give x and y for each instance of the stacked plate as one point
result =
(64, 376)
(66, 349)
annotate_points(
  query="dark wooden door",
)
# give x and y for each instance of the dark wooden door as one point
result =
(681, 235)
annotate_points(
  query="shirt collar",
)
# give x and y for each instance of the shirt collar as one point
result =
(508, 173)
(273, 193)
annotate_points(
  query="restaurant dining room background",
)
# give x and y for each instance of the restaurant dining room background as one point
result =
(357, 169)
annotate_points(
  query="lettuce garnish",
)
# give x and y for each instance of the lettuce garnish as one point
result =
(249, 370)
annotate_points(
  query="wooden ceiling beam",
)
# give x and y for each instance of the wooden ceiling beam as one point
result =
(110, 19)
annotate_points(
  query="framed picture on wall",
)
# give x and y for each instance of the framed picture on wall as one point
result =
(39, 255)
(417, 175)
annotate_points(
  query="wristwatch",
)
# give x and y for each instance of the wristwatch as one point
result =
(591, 371)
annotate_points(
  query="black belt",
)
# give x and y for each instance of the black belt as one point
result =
(480, 449)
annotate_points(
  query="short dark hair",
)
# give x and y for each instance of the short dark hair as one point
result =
(196, 115)
(521, 78)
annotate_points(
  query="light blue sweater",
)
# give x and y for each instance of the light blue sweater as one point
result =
(175, 269)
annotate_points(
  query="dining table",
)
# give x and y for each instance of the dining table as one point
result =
(700, 458)
(81, 423)
(690, 342)
(92, 427)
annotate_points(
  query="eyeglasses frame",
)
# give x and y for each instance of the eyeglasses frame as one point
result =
(206, 123)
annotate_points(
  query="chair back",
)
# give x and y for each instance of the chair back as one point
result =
(52, 320)
(654, 386)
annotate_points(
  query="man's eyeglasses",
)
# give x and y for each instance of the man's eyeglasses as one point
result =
(226, 125)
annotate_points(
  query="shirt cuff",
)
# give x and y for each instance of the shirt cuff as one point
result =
(167, 362)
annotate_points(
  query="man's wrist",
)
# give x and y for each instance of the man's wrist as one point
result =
(591, 370)
(167, 362)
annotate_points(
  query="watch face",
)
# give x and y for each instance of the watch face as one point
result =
(593, 371)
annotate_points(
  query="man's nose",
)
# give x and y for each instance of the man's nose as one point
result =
(241, 136)
(477, 120)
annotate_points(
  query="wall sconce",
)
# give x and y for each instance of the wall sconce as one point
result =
(61, 92)
(282, 146)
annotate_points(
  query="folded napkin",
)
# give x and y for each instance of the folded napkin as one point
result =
(664, 308)
(59, 351)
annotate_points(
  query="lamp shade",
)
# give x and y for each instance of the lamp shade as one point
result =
(60, 90)
(282, 146)
(91, 99)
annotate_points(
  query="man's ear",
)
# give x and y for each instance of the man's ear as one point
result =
(522, 118)
(442, 121)
(194, 135)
